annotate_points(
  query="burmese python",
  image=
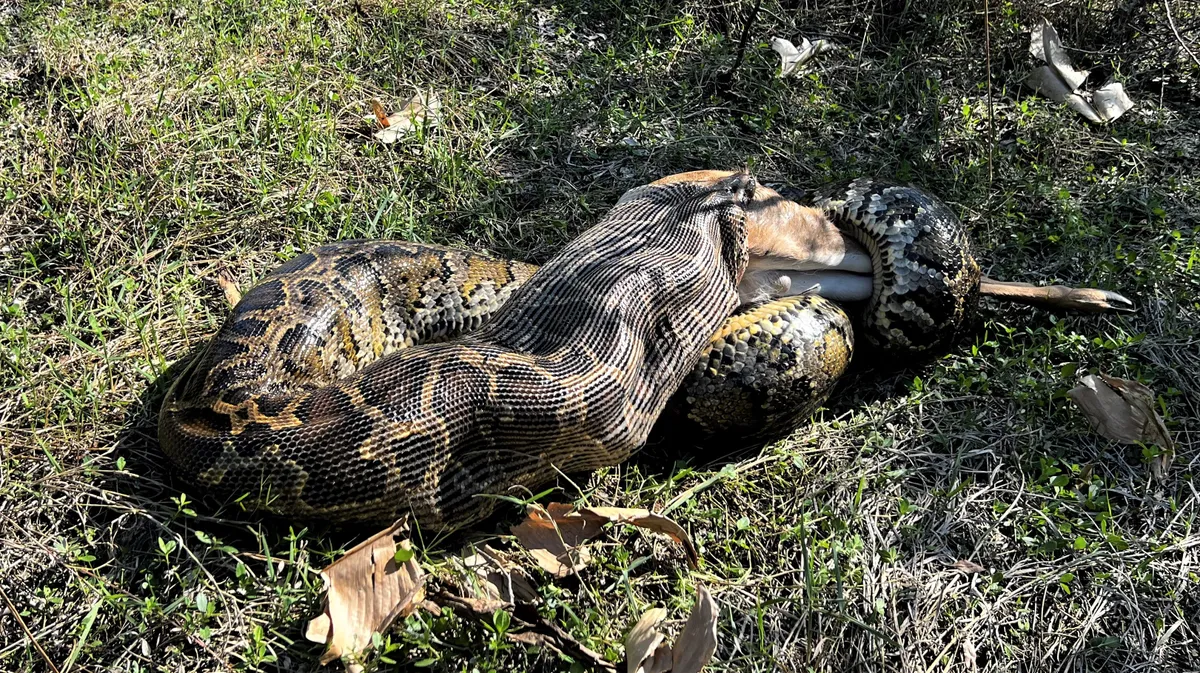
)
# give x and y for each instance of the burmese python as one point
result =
(369, 379)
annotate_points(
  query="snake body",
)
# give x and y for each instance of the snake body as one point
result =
(369, 379)
(926, 276)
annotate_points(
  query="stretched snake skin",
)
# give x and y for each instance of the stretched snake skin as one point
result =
(370, 379)
(926, 277)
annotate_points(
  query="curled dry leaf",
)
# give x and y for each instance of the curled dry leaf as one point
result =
(793, 60)
(1044, 44)
(554, 540)
(646, 651)
(660, 663)
(1059, 81)
(1123, 410)
(968, 567)
(420, 109)
(1111, 101)
(644, 518)
(492, 575)
(697, 642)
(554, 535)
(366, 590)
(968, 654)
(642, 643)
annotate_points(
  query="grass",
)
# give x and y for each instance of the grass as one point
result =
(148, 148)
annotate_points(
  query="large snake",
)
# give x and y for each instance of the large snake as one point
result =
(365, 380)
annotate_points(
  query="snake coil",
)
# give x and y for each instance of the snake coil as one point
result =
(368, 379)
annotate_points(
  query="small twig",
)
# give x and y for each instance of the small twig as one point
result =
(741, 51)
(1171, 22)
(987, 47)
(29, 634)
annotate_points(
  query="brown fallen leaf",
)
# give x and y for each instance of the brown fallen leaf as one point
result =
(968, 567)
(491, 574)
(643, 641)
(420, 109)
(554, 540)
(661, 663)
(697, 642)
(644, 518)
(1124, 410)
(969, 651)
(229, 288)
(554, 535)
(366, 590)
(1059, 81)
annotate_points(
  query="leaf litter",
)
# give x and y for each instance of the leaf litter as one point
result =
(423, 109)
(793, 60)
(646, 650)
(380, 581)
(366, 591)
(554, 535)
(1124, 411)
(492, 575)
(1059, 81)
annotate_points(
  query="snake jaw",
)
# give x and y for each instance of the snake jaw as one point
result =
(742, 186)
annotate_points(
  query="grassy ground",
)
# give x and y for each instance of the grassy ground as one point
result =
(148, 148)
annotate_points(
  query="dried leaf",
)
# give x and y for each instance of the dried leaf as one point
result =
(1111, 101)
(793, 59)
(1047, 82)
(969, 651)
(1046, 45)
(554, 535)
(1059, 80)
(420, 109)
(697, 642)
(1122, 410)
(554, 541)
(366, 590)
(644, 518)
(490, 574)
(644, 640)
(968, 567)
(229, 288)
(661, 663)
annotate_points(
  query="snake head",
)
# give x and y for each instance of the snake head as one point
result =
(741, 186)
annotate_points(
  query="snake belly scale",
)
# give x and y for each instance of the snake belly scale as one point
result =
(370, 379)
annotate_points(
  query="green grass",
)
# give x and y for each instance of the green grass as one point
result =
(147, 148)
